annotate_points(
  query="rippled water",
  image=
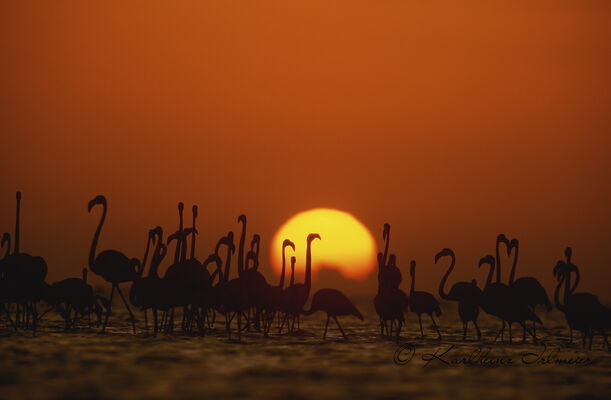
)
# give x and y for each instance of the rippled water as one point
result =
(82, 365)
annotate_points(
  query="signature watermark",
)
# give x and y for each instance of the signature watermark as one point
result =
(483, 356)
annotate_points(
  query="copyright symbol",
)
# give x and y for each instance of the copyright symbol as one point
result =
(404, 354)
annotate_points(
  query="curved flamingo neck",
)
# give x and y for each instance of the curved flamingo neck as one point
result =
(490, 274)
(241, 248)
(308, 271)
(145, 257)
(498, 263)
(227, 264)
(386, 246)
(292, 281)
(442, 284)
(17, 223)
(281, 284)
(557, 294)
(513, 267)
(96, 238)
(156, 260)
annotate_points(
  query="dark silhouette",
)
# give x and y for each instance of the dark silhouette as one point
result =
(528, 289)
(255, 282)
(273, 300)
(391, 274)
(297, 294)
(422, 302)
(149, 292)
(112, 265)
(583, 311)
(498, 300)
(467, 294)
(335, 304)
(390, 303)
(24, 277)
(233, 294)
(72, 294)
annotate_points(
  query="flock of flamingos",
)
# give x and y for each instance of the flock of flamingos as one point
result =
(202, 290)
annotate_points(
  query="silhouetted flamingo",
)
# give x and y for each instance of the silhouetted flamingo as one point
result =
(273, 300)
(255, 282)
(335, 304)
(24, 275)
(390, 303)
(422, 302)
(150, 291)
(112, 265)
(233, 294)
(467, 294)
(297, 295)
(390, 274)
(583, 311)
(500, 301)
(528, 289)
(72, 293)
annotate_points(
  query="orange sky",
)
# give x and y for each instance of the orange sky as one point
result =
(453, 123)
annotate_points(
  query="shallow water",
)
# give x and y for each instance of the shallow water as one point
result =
(83, 365)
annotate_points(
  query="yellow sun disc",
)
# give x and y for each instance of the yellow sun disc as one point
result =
(346, 245)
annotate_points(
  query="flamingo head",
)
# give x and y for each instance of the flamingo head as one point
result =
(242, 219)
(288, 243)
(181, 206)
(18, 196)
(313, 236)
(412, 268)
(514, 244)
(7, 236)
(99, 199)
(443, 253)
(136, 264)
(293, 261)
(194, 209)
(568, 252)
(501, 238)
(386, 231)
(486, 260)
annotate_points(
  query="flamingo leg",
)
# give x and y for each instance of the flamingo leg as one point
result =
(131, 315)
(112, 292)
(479, 334)
(340, 328)
(324, 336)
(155, 322)
(436, 328)
(420, 322)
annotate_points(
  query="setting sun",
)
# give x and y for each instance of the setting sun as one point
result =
(346, 245)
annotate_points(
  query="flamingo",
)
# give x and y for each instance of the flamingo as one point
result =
(499, 300)
(112, 265)
(255, 282)
(233, 293)
(389, 303)
(72, 293)
(24, 275)
(273, 300)
(528, 289)
(150, 291)
(467, 294)
(422, 302)
(391, 274)
(583, 311)
(335, 304)
(297, 294)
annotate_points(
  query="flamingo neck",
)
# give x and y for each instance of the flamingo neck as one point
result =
(442, 284)
(96, 238)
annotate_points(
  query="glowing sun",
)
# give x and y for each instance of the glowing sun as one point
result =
(346, 245)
